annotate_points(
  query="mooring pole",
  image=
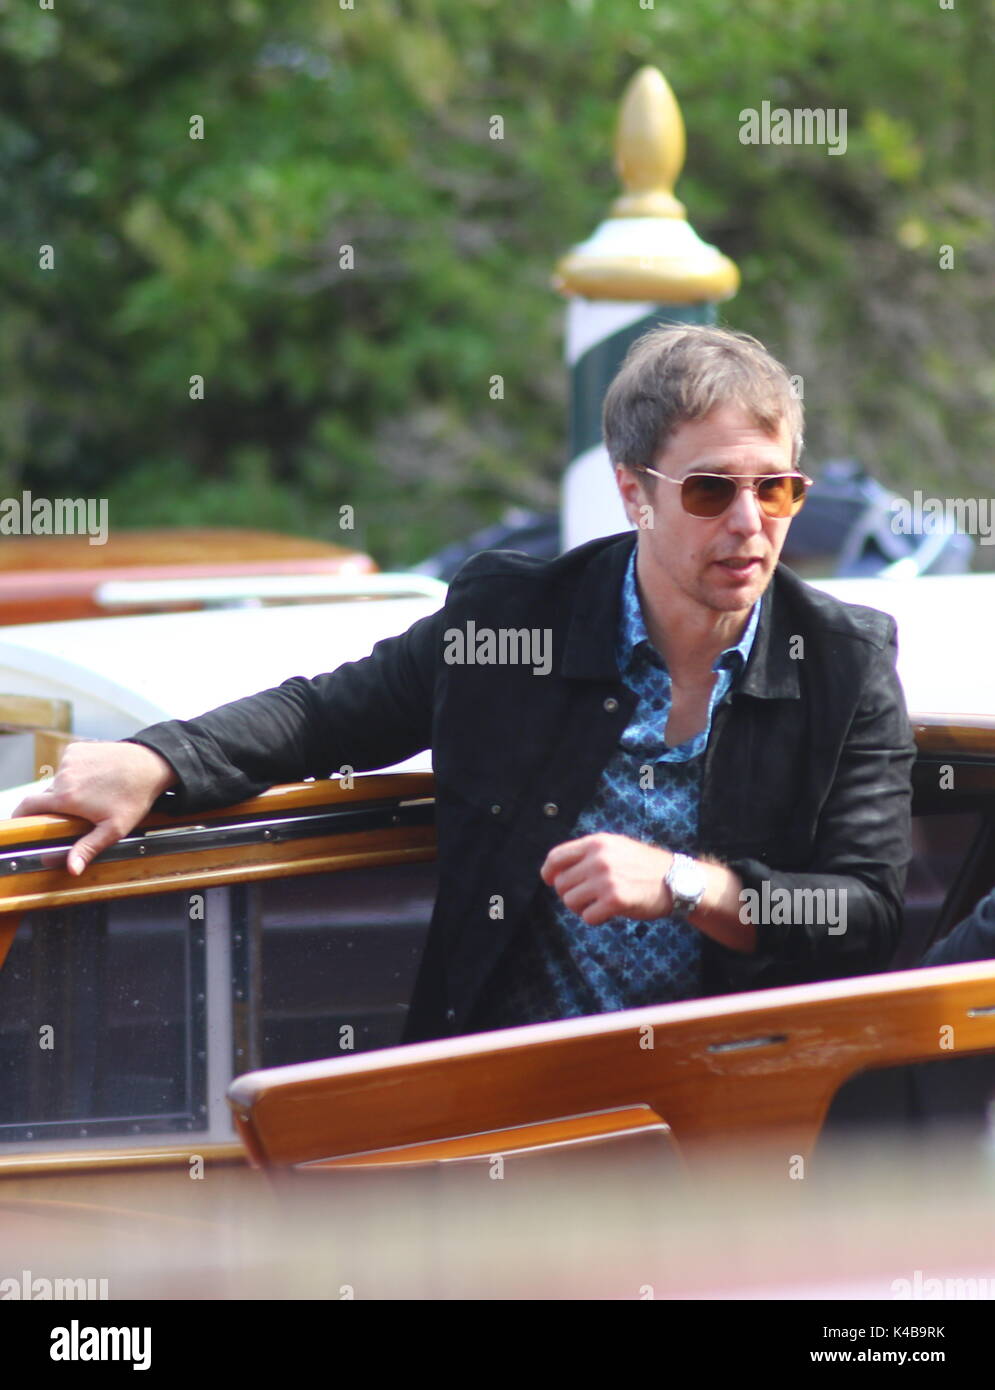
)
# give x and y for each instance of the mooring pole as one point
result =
(643, 266)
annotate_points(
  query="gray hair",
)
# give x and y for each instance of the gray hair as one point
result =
(676, 374)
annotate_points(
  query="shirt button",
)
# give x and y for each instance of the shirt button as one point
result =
(611, 704)
(551, 809)
(495, 810)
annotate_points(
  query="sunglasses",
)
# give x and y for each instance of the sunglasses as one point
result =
(710, 494)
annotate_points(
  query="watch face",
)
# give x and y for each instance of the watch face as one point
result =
(687, 882)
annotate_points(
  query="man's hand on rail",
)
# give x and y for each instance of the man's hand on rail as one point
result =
(112, 785)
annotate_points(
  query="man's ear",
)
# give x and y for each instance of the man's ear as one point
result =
(631, 490)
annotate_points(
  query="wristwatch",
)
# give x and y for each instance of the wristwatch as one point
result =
(686, 882)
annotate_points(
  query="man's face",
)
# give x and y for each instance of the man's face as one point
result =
(723, 563)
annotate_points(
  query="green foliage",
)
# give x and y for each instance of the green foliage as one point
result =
(369, 128)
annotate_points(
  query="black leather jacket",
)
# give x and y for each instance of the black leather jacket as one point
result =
(806, 780)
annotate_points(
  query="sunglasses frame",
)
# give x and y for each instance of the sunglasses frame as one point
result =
(752, 482)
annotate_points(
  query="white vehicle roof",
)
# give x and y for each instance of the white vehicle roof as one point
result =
(945, 659)
(124, 673)
(121, 674)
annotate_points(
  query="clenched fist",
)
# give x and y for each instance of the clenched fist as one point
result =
(604, 876)
(113, 785)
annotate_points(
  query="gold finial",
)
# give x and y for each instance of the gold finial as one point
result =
(649, 148)
(646, 249)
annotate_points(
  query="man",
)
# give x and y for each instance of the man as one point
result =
(921, 1098)
(959, 1089)
(971, 939)
(641, 747)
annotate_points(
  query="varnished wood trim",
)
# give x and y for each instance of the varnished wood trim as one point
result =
(96, 1160)
(36, 712)
(719, 1070)
(213, 868)
(167, 546)
(166, 873)
(572, 1129)
(51, 579)
(294, 796)
(938, 734)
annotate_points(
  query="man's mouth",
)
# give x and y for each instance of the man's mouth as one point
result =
(742, 564)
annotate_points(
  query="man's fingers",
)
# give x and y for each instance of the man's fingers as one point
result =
(596, 916)
(109, 785)
(563, 880)
(34, 804)
(580, 900)
(85, 850)
(561, 856)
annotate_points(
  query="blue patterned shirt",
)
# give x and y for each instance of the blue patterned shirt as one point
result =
(649, 792)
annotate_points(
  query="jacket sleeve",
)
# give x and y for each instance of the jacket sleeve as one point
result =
(862, 846)
(971, 939)
(366, 714)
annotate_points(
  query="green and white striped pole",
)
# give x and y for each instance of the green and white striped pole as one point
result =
(645, 265)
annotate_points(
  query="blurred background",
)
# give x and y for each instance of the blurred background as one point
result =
(326, 127)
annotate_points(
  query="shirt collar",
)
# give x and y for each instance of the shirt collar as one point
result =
(632, 633)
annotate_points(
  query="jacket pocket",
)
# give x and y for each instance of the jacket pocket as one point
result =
(485, 794)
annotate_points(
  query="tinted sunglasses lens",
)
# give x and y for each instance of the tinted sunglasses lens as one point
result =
(707, 495)
(703, 495)
(781, 496)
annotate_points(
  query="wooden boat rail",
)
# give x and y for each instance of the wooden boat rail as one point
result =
(767, 1063)
(286, 831)
(939, 735)
(761, 1067)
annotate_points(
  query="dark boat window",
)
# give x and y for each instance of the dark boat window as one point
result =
(104, 1021)
(325, 964)
(940, 846)
(949, 872)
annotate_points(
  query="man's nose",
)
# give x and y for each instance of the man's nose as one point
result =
(744, 514)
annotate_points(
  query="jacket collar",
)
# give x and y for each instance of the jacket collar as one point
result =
(772, 672)
(589, 654)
